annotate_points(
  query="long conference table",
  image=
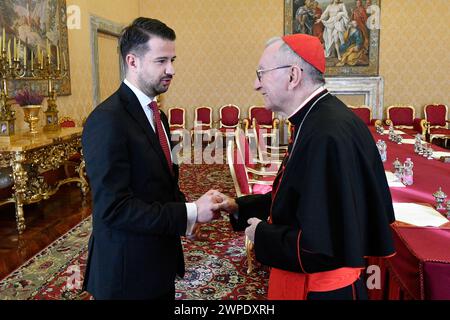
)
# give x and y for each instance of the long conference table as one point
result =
(420, 269)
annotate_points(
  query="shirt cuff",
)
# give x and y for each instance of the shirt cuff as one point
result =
(191, 209)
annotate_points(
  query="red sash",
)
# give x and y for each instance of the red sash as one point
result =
(286, 285)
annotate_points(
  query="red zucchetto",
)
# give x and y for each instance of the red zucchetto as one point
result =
(308, 48)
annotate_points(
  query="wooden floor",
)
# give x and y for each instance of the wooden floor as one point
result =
(46, 221)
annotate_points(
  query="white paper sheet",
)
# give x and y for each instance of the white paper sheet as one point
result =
(418, 215)
(439, 154)
(391, 180)
(395, 131)
(409, 141)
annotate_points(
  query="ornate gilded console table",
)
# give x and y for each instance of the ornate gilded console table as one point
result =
(30, 155)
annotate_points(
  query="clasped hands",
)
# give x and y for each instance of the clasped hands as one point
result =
(212, 202)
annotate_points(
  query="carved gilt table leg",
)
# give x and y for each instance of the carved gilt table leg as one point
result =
(82, 172)
(20, 185)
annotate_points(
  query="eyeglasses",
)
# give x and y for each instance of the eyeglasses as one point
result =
(261, 71)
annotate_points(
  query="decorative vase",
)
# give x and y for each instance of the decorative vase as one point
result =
(31, 115)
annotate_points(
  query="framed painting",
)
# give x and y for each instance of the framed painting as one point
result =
(348, 29)
(39, 25)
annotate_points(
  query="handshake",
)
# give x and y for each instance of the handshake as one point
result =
(211, 203)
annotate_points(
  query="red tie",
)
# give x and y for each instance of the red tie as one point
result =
(161, 135)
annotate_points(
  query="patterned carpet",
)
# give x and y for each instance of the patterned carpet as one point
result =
(216, 266)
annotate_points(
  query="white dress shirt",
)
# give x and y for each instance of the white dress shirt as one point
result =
(144, 100)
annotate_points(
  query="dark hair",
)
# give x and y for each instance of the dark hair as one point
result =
(136, 35)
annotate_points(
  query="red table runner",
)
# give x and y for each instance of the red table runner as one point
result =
(421, 267)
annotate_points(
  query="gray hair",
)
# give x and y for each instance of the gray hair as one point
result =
(287, 56)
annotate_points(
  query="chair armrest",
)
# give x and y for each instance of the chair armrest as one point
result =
(268, 163)
(263, 182)
(282, 148)
(262, 173)
(427, 126)
(376, 122)
(269, 167)
(274, 154)
(419, 126)
(246, 123)
(270, 135)
(388, 122)
(275, 123)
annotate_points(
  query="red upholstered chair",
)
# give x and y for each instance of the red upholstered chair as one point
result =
(229, 120)
(74, 160)
(265, 118)
(365, 114)
(177, 119)
(250, 155)
(243, 184)
(68, 169)
(229, 117)
(437, 122)
(203, 120)
(403, 118)
(6, 186)
(177, 126)
(267, 154)
(67, 122)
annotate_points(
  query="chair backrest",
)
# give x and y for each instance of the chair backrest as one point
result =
(436, 115)
(290, 131)
(243, 146)
(401, 116)
(203, 116)
(261, 145)
(237, 170)
(229, 116)
(363, 112)
(177, 118)
(67, 122)
(264, 116)
(260, 140)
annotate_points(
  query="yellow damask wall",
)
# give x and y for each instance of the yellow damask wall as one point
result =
(220, 41)
(415, 52)
(109, 67)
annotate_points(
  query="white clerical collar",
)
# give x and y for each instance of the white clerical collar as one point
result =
(144, 100)
(320, 89)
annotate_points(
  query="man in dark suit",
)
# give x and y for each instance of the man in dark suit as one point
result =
(139, 212)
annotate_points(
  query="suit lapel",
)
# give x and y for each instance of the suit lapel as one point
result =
(133, 106)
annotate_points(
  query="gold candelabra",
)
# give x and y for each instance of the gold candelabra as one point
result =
(10, 68)
(51, 72)
(14, 65)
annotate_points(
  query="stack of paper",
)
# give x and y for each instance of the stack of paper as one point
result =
(410, 141)
(439, 154)
(392, 180)
(395, 131)
(418, 214)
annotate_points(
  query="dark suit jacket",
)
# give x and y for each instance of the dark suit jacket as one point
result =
(139, 212)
